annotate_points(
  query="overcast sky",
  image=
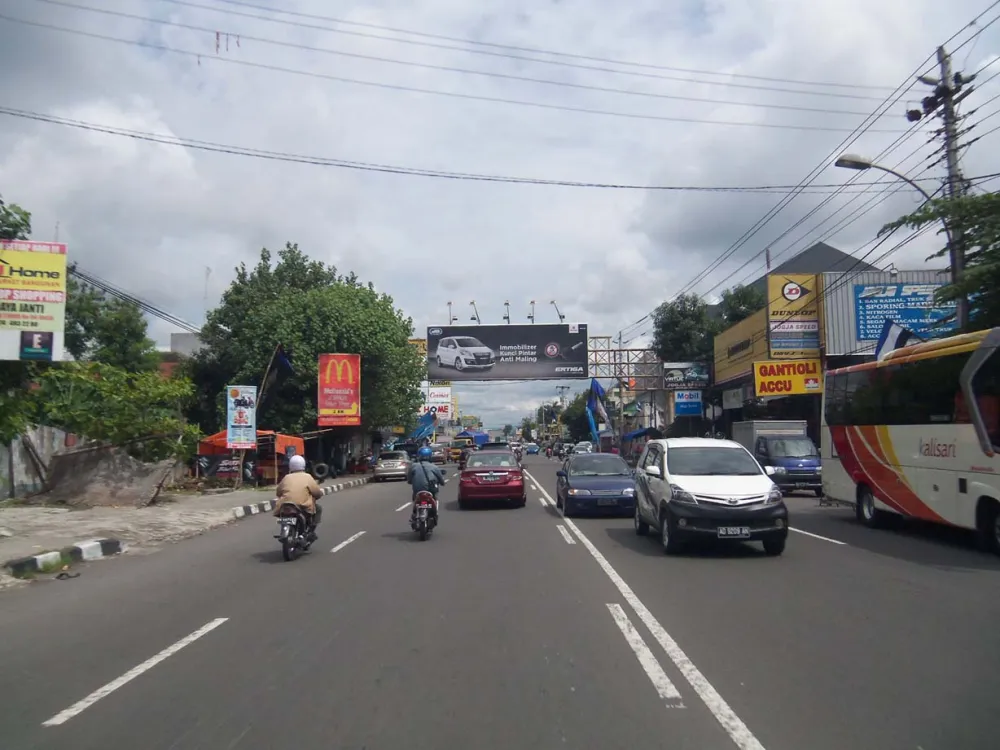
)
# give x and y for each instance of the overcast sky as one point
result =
(152, 218)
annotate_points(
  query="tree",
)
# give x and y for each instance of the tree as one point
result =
(527, 425)
(575, 417)
(740, 302)
(508, 430)
(683, 331)
(311, 310)
(974, 221)
(15, 222)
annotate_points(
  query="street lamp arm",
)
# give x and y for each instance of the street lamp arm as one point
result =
(908, 180)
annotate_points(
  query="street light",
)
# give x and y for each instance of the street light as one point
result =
(861, 164)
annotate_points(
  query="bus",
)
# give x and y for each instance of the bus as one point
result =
(917, 434)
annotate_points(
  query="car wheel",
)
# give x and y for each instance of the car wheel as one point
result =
(459, 364)
(521, 502)
(463, 504)
(567, 509)
(641, 527)
(819, 493)
(668, 536)
(865, 509)
(775, 546)
(439, 362)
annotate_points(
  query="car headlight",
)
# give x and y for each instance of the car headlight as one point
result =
(819, 469)
(774, 495)
(681, 495)
(777, 469)
(628, 491)
(578, 492)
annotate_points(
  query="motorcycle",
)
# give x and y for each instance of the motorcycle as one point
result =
(425, 519)
(293, 531)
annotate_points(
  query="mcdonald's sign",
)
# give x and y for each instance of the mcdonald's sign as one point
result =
(338, 401)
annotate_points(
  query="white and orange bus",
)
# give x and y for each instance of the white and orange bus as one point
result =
(917, 434)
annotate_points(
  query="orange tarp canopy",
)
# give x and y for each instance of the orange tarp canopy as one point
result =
(214, 445)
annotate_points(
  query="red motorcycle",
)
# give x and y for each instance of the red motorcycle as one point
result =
(426, 514)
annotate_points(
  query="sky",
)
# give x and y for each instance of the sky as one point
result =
(692, 93)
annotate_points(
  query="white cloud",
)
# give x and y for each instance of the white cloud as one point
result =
(150, 218)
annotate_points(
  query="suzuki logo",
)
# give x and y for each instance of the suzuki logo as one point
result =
(434, 331)
(339, 366)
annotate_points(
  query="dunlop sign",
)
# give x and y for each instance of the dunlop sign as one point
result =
(776, 378)
(338, 401)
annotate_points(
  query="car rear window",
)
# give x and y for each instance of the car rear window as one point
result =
(393, 456)
(489, 460)
(598, 465)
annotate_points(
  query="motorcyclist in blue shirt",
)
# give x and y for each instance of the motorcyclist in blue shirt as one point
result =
(424, 475)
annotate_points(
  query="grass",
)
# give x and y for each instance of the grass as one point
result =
(55, 566)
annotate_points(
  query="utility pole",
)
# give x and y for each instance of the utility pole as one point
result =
(949, 90)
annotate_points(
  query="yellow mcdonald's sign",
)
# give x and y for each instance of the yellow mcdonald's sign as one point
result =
(340, 366)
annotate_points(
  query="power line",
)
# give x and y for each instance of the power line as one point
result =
(433, 92)
(638, 68)
(492, 74)
(147, 307)
(210, 146)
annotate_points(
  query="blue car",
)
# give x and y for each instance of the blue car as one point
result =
(531, 449)
(596, 482)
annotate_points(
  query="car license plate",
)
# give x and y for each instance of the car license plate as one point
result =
(734, 532)
(608, 501)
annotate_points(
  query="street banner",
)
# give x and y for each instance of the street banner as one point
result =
(799, 378)
(507, 352)
(792, 316)
(338, 402)
(32, 298)
(241, 417)
(685, 376)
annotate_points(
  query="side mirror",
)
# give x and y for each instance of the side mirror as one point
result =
(653, 471)
(561, 474)
(769, 470)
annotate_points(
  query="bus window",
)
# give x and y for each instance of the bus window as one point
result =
(986, 387)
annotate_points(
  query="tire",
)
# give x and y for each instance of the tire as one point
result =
(865, 510)
(988, 526)
(520, 502)
(641, 527)
(459, 364)
(288, 550)
(668, 539)
(423, 534)
(567, 509)
(775, 546)
(819, 493)
(440, 363)
(321, 471)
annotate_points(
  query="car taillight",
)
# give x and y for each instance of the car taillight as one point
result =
(516, 476)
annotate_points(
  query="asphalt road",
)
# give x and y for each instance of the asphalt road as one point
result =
(510, 628)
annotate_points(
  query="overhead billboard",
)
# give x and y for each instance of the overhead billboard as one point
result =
(241, 417)
(683, 376)
(737, 347)
(555, 351)
(776, 378)
(32, 300)
(338, 400)
(792, 316)
(910, 305)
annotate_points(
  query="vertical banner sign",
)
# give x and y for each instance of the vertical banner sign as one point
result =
(32, 299)
(792, 316)
(241, 417)
(338, 403)
(687, 403)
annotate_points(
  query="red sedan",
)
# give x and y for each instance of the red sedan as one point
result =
(490, 476)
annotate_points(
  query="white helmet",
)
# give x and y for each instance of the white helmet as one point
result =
(296, 463)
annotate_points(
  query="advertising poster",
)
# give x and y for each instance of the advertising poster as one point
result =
(338, 402)
(32, 297)
(792, 316)
(241, 417)
(687, 403)
(775, 378)
(910, 305)
(685, 376)
(507, 352)
(437, 400)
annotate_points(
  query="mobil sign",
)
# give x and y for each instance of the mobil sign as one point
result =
(687, 403)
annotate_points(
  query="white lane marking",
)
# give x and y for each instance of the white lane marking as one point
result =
(664, 687)
(404, 506)
(817, 536)
(534, 488)
(63, 716)
(543, 501)
(347, 541)
(566, 535)
(738, 732)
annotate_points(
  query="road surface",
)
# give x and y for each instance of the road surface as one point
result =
(510, 628)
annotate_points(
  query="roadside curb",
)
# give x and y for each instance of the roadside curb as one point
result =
(93, 549)
(268, 505)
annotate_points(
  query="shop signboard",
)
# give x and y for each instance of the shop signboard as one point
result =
(241, 417)
(507, 352)
(739, 346)
(687, 403)
(338, 401)
(32, 299)
(682, 376)
(792, 316)
(732, 398)
(780, 378)
(910, 305)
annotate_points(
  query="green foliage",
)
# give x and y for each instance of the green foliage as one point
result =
(974, 221)
(311, 310)
(527, 425)
(740, 302)
(108, 331)
(15, 222)
(683, 331)
(508, 430)
(107, 403)
(575, 418)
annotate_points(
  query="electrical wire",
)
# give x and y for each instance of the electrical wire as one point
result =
(433, 92)
(639, 69)
(107, 288)
(169, 140)
(492, 74)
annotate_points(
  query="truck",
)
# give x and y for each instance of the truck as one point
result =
(785, 446)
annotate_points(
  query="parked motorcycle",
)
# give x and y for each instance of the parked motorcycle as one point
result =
(293, 531)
